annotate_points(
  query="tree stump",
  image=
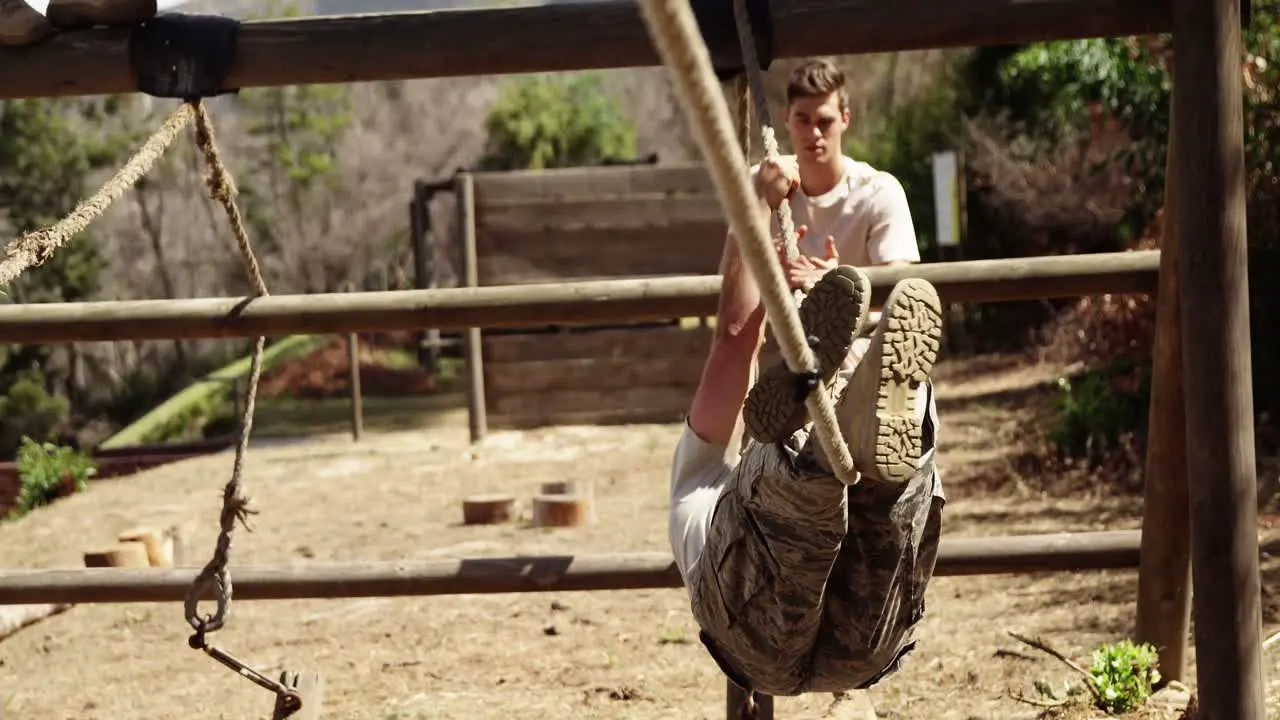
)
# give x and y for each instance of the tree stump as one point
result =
(583, 490)
(129, 554)
(488, 509)
(158, 543)
(559, 511)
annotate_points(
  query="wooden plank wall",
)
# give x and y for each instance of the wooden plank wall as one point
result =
(594, 223)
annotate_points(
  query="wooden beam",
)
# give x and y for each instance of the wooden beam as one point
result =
(1164, 577)
(557, 37)
(534, 305)
(1217, 367)
(1058, 552)
(507, 187)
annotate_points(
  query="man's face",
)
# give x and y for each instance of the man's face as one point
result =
(817, 125)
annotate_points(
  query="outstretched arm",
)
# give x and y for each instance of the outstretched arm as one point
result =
(730, 368)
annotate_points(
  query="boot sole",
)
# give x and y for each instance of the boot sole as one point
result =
(832, 312)
(911, 336)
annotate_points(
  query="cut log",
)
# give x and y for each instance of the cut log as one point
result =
(584, 490)
(488, 509)
(15, 617)
(130, 554)
(183, 554)
(157, 541)
(559, 511)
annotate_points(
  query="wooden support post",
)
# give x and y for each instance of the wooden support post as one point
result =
(423, 271)
(357, 401)
(735, 699)
(1164, 577)
(1213, 295)
(311, 689)
(465, 194)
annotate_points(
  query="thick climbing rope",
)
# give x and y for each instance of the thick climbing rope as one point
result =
(675, 33)
(235, 506)
(34, 248)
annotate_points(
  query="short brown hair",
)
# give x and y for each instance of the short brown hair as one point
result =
(815, 78)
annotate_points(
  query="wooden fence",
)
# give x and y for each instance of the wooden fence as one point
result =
(581, 224)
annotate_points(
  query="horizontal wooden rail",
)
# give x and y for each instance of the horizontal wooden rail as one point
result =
(573, 36)
(532, 305)
(1058, 552)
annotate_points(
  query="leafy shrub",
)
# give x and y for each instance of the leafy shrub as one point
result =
(29, 410)
(1098, 409)
(1123, 674)
(48, 472)
(548, 121)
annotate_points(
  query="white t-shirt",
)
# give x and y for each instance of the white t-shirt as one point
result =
(867, 213)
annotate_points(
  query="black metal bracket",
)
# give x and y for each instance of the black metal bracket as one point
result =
(720, 32)
(183, 55)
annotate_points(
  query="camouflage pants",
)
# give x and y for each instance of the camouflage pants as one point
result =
(806, 585)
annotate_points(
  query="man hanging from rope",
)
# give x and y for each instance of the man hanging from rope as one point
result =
(800, 582)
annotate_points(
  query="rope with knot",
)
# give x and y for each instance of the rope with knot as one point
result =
(35, 248)
(235, 506)
(679, 41)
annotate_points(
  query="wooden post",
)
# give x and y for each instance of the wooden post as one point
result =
(466, 199)
(423, 272)
(357, 402)
(1214, 309)
(734, 699)
(310, 688)
(1164, 577)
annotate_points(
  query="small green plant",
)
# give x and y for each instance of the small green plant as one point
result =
(1119, 681)
(1097, 409)
(47, 472)
(1123, 674)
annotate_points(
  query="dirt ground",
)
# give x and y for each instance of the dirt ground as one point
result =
(624, 654)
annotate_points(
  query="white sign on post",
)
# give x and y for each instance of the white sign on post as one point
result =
(946, 198)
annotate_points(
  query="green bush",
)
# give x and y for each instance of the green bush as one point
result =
(547, 121)
(1097, 409)
(29, 410)
(1123, 673)
(47, 472)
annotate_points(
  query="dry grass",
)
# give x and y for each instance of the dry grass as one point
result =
(631, 654)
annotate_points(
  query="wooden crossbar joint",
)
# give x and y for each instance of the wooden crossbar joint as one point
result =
(716, 24)
(182, 55)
